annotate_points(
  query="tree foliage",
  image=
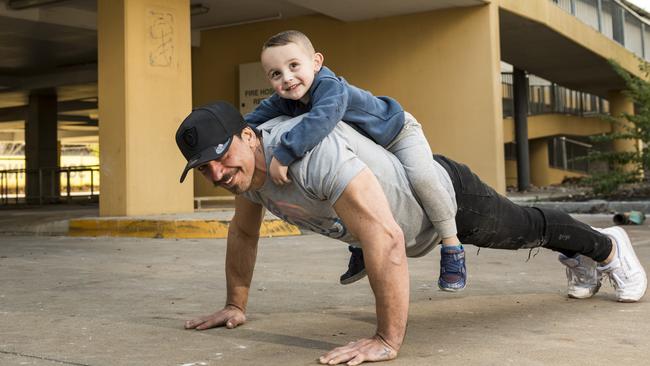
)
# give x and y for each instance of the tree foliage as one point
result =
(626, 166)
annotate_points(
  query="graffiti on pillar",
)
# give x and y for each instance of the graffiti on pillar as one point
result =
(161, 38)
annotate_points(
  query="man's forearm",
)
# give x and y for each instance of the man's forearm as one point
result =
(241, 253)
(366, 213)
(388, 275)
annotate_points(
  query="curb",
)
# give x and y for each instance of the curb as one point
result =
(175, 229)
(593, 206)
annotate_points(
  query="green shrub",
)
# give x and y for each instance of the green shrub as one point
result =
(626, 166)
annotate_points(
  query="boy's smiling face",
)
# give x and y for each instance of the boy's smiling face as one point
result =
(291, 69)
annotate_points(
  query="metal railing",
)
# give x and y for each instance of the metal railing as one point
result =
(545, 97)
(565, 154)
(615, 20)
(49, 185)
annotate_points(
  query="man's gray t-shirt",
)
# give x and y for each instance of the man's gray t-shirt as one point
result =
(321, 176)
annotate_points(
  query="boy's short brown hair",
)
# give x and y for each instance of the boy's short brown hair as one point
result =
(289, 36)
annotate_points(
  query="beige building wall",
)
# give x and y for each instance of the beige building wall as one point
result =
(511, 173)
(548, 125)
(442, 66)
(541, 173)
(144, 93)
(555, 125)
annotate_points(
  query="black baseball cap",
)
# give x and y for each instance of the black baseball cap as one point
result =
(206, 134)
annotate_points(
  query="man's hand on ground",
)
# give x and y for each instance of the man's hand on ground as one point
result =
(354, 353)
(230, 316)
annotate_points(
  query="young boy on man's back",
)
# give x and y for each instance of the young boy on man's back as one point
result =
(304, 86)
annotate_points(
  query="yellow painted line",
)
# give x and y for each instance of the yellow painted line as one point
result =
(179, 229)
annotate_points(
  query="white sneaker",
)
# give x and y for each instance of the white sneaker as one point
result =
(582, 276)
(625, 271)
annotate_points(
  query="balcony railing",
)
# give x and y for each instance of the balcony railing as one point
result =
(615, 20)
(49, 185)
(545, 97)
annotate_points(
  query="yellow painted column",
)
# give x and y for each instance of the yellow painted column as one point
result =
(144, 93)
(619, 104)
(463, 116)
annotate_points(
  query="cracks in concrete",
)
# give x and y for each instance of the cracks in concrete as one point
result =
(43, 358)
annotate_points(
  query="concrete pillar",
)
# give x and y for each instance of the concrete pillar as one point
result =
(41, 153)
(520, 100)
(619, 104)
(144, 94)
(467, 95)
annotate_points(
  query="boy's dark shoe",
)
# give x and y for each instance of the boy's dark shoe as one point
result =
(453, 274)
(356, 267)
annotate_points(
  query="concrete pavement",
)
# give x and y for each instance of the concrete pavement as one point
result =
(122, 301)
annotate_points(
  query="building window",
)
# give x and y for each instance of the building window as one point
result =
(566, 153)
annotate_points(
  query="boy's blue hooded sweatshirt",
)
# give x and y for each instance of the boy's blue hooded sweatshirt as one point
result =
(331, 99)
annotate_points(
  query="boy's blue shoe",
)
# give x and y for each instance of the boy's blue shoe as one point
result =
(453, 274)
(356, 267)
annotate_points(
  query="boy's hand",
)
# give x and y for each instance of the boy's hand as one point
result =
(279, 172)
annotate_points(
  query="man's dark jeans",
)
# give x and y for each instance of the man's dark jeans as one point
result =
(487, 219)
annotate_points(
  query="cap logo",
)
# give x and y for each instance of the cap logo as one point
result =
(190, 137)
(219, 149)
